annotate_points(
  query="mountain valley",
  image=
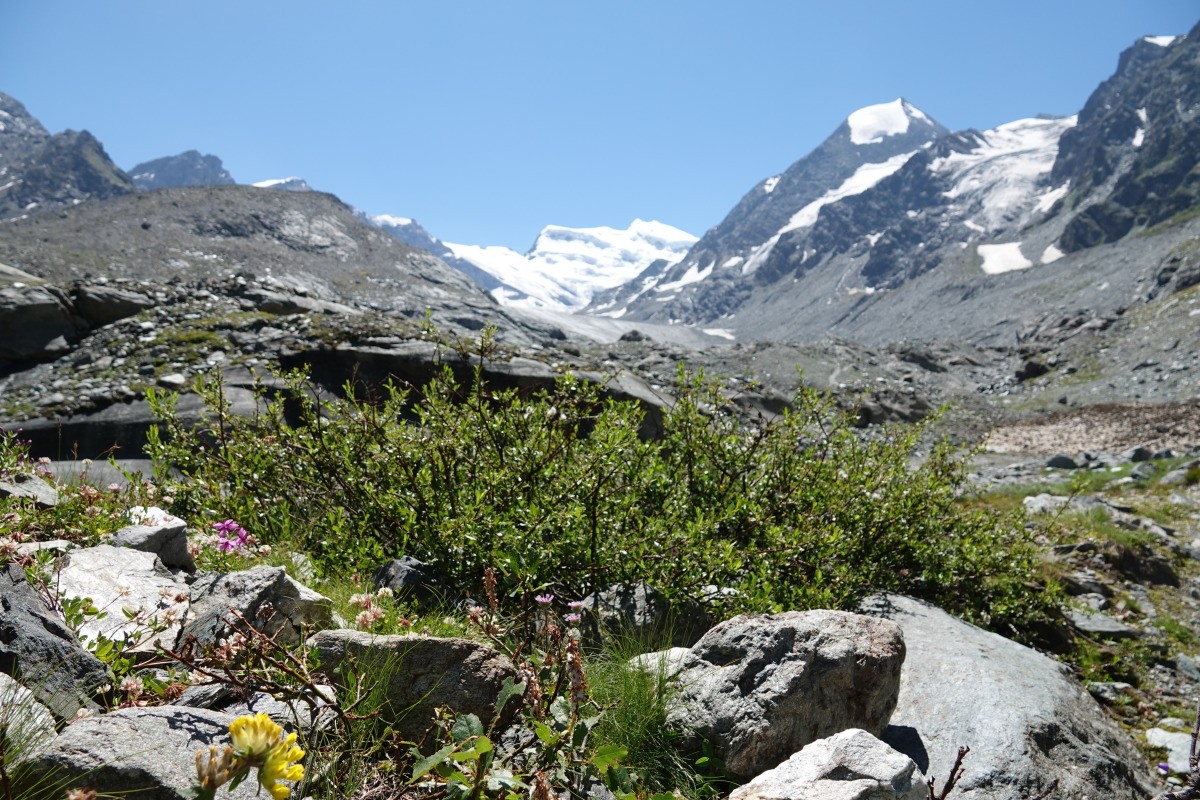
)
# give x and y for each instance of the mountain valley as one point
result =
(1047, 263)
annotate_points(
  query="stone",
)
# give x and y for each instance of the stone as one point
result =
(168, 541)
(100, 305)
(851, 765)
(414, 581)
(1186, 665)
(132, 588)
(640, 612)
(1178, 746)
(292, 714)
(135, 752)
(29, 487)
(762, 687)
(1062, 461)
(26, 724)
(1136, 454)
(1101, 625)
(1024, 716)
(39, 650)
(1108, 692)
(1178, 476)
(36, 322)
(264, 596)
(422, 673)
(1044, 503)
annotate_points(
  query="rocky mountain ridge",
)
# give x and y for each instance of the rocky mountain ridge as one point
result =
(186, 169)
(858, 255)
(40, 172)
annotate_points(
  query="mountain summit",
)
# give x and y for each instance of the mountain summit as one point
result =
(870, 144)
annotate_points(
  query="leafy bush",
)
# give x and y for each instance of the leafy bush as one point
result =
(557, 490)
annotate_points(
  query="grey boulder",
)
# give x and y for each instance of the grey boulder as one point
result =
(29, 487)
(762, 687)
(851, 765)
(100, 305)
(263, 596)
(168, 541)
(421, 674)
(1025, 718)
(641, 612)
(36, 322)
(132, 588)
(147, 753)
(25, 723)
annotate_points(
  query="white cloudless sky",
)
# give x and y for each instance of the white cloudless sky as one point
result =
(486, 121)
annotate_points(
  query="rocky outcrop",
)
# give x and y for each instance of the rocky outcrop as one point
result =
(1026, 720)
(41, 651)
(36, 322)
(762, 688)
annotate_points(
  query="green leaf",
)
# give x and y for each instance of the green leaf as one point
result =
(560, 710)
(508, 690)
(545, 733)
(425, 765)
(466, 726)
(608, 755)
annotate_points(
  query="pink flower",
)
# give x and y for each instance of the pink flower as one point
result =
(232, 535)
(544, 599)
(573, 617)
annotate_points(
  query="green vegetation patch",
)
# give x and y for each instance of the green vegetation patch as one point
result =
(557, 492)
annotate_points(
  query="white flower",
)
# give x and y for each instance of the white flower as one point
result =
(140, 515)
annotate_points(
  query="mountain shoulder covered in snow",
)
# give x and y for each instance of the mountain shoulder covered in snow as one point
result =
(564, 268)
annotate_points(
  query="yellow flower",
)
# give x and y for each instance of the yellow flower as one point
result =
(279, 766)
(260, 742)
(253, 736)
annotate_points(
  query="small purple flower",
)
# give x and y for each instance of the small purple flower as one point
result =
(576, 604)
(544, 599)
(573, 617)
(232, 536)
(1164, 768)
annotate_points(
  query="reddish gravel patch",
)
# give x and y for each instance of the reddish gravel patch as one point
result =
(1103, 428)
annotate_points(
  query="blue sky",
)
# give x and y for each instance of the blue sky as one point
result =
(486, 121)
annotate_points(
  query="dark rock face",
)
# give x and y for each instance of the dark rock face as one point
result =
(186, 169)
(36, 322)
(38, 649)
(70, 167)
(1133, 128)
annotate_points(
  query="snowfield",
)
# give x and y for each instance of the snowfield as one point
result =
(567, 266)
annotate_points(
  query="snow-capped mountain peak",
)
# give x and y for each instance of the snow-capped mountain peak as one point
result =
(870, 124)
(292, 184)
(567, 266)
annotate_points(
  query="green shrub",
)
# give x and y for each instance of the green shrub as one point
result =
(556, 490)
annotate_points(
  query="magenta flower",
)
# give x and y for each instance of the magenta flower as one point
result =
(232, 536)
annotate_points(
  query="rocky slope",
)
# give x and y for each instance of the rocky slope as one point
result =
(307, 240)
